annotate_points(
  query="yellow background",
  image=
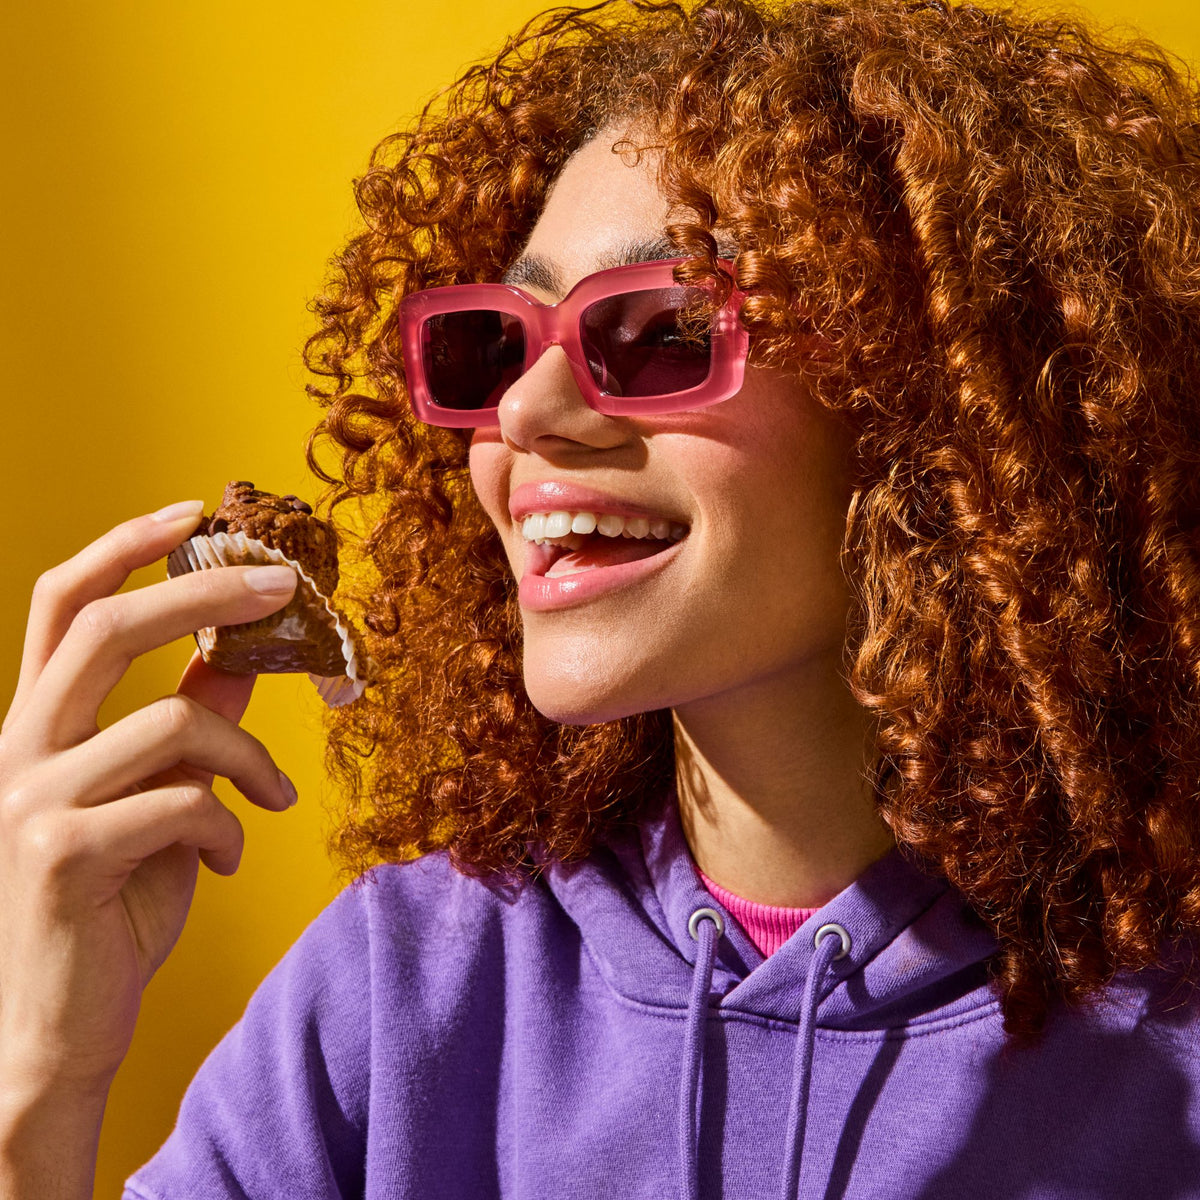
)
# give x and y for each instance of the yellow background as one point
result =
(174, 179)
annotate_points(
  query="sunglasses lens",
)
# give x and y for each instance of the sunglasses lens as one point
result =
(470, 358)
(648, 343)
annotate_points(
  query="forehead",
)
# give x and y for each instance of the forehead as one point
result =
(604, 209)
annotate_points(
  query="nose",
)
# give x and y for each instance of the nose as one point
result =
(545, 408)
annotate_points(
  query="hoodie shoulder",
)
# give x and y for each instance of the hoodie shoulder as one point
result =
(428, 906)
(389, 975)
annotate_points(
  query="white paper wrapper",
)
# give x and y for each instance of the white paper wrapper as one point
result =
(236, 549)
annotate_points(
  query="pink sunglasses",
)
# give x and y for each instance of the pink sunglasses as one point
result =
(629, 334)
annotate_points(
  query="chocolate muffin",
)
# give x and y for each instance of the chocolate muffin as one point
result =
(283, 522)
(253, 527)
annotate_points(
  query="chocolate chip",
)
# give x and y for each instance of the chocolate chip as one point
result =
(218, 525)
(300, 506)
(242, 483)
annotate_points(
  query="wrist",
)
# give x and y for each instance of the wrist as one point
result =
(49, 1137)
(30, 1076)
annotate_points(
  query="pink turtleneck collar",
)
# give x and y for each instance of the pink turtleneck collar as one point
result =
(767, 926)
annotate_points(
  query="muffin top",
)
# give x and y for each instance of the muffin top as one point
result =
(285, 523)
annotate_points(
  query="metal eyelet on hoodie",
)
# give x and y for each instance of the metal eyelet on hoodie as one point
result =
(706, 914)
(840, 930)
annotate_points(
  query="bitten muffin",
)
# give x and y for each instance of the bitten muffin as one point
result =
(283, 522)
(253, 527)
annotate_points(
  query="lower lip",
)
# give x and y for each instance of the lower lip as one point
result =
(538, 593)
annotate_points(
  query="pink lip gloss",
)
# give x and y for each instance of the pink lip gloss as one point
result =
(538, 593)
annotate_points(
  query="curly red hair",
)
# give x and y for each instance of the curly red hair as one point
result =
(992, 220)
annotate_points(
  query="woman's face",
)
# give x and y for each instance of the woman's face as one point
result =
(751, 593)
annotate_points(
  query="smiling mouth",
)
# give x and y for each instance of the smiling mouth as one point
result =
(562, 543)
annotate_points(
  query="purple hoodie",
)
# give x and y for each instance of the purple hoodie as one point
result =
(429, 1038)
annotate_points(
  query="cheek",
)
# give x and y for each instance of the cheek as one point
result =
(747, 479)
(771, 498)
(489, 464)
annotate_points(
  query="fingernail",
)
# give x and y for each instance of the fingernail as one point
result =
(190, 509)
(289, 789)
(271, 581)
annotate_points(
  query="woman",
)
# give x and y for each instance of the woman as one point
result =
(786, 591)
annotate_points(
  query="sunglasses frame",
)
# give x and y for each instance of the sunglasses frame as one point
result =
(559, 324)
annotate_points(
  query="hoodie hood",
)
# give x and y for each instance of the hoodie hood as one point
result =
(894, 948)
(917, 952)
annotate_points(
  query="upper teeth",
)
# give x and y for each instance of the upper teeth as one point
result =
(544, 527)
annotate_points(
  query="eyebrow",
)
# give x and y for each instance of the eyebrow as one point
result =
(535, 271)
(541, 273)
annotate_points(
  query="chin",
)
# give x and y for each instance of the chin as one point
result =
(582, 691)
(578, 703)
(567, 713)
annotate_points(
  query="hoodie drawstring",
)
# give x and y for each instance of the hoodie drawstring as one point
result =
(828, 939)
(706, 925)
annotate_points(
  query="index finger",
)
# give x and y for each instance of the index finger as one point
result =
(104, 640)
(99, 569)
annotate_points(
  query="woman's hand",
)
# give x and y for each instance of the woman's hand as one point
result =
(102, 831)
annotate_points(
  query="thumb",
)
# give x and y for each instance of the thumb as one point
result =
(226, 695)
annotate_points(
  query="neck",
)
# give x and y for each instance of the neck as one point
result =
(774, 796)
